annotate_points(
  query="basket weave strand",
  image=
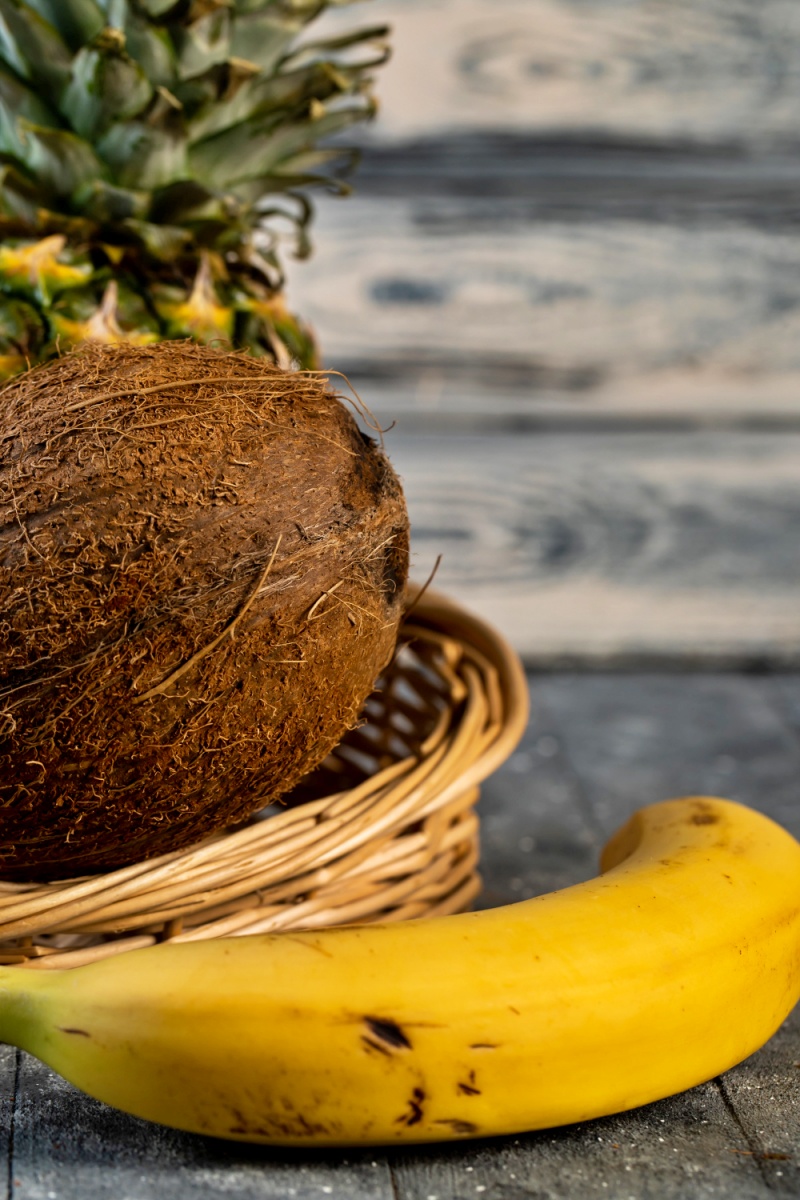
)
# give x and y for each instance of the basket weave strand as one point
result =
(384, 830)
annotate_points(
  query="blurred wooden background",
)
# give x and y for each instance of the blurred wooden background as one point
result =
(571, 273)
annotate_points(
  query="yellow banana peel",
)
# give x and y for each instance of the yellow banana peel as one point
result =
(675, 964)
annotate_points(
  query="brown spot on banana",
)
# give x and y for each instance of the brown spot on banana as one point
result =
(459, 1127)
(415, 1111)
(469, 1088)
(384, 1035)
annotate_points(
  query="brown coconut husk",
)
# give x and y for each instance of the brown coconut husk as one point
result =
(202, 564)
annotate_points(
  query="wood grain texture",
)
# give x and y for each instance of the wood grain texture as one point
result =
(638, 739)
(701, 70)
(785, 691)
(70, 1147)
(615, 548)
(9, 1058)
(764, 1093)
(439, 307)
(687, 1146)
(571, 175)
(537, 833)
(571, 211)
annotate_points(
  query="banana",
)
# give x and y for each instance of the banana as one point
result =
(675, 964)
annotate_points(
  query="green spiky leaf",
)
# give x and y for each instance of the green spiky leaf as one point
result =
(163, 242)
(258, 149)
(189, 205)
(148, 44)
(204, 43)
(265, 37)
(129, 313)
(156, 8)
(19, 199)
(22, 336)
(20, 100)
(78, 21)
(158, 140)
(106, 87)
(283, 96)
(111, 205)
(59, 160)
(375, 37)
(149, 153)
(19, 103)
(33, 47)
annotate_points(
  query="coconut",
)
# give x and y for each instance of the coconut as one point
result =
(202, 564)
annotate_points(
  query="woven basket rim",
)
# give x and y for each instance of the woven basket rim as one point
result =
(403, 842)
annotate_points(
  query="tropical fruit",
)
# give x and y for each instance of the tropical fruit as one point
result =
(202, 564)
(153, 156)
(590, 1001)
(201, 558)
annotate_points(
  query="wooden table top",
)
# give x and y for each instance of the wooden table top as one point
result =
(597, 747)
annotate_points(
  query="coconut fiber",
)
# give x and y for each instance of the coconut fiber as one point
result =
(202, 563)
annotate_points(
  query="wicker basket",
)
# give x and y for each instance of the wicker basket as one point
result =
(384, 830)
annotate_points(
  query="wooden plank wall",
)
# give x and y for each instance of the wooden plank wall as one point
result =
(571, 274)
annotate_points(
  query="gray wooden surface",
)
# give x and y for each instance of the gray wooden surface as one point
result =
(615, 547)
(597, 747)
(571, 274)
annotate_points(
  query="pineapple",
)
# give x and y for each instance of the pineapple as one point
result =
(154, 152)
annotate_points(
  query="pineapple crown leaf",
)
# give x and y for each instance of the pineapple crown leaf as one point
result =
(18, 200)
(108, 204)
(32, 47)
(150, 45)
(149, 155)
(203, 44)
(208, 104)
(78, 21)
(58, 160)
(106, 87)
(19, 105)
(153, 8)
(162, 242)
(376, 35)
(262, 148)
(140, 138)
